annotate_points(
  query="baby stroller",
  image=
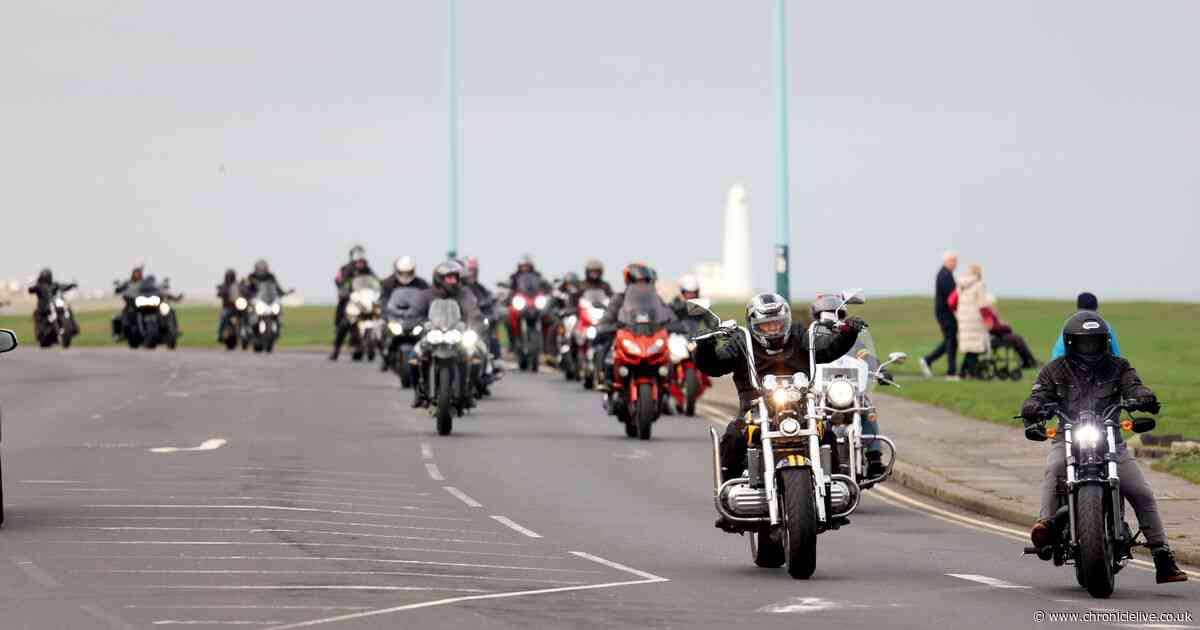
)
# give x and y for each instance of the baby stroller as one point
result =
(1000, 362)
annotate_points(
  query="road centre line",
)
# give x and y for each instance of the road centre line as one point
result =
(988, 581)
(454, 576)
(462, 496)
(257, 558)
(283, 508)
(513, 525)
(647, 578)
(434, 473)
(251, 519)
(297, 544)
(311, 532)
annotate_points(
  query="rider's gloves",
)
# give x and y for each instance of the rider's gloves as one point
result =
(857, 324)
(1148, 404)
(1035, 432)
(1033, 412)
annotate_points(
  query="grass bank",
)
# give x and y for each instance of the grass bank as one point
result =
(1159, 338)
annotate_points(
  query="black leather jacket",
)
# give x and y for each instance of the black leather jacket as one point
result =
(1075, 387)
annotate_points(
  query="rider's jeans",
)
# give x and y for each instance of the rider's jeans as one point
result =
(871, 427)
(224, 319)
(1134, 488)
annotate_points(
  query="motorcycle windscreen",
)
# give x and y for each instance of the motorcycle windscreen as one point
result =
(643, 311)
(859, 363)
(528, 283)
(268, 292)
(365, 282)
(406, 303)
(444, 314)
(594, 296)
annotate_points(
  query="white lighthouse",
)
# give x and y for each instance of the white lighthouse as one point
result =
(730, 279)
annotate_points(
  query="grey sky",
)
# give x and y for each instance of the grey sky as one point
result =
(1057, 143)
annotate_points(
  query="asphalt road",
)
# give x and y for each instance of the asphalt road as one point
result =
(148, 489)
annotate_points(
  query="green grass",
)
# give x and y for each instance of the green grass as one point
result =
(1159, 338)
(1186, 466)
(302, 326)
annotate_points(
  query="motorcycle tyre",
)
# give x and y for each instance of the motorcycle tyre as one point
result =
(445, 401)
(1095, 549)
(799, 522)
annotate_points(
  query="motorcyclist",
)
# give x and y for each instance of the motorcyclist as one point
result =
(44, 289)
(227, 292)
(779, 347)
(689, 289)
(1090, 378)
(120, 288)
(261, 275)
(487, 303)
(593, 277)
(407, 296)
(528, 281)
(635, 274)
(447, 284)
(356, 267)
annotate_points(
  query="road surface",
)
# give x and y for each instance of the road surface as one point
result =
(204, 489)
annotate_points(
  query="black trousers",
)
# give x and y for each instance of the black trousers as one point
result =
(1017, 342)
(948, 347)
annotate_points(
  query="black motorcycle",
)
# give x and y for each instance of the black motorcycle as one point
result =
(446, 352)
(1089, 527)
(57, 322)
(234, 329)
(264, 317)
(148, 319)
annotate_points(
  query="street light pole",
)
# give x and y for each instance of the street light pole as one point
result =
(782, 284)
(452, 113)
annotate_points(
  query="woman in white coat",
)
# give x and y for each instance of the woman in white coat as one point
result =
(973, 338)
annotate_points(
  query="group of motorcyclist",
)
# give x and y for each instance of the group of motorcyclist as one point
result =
(236, 321)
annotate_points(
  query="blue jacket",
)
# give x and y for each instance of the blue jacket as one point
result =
(1060, 350)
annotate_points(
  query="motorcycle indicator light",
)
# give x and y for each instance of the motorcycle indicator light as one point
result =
(164, 308)
(631, 347)
(470, 338)
(1127, 425)
(1051, 432)
(518, 302)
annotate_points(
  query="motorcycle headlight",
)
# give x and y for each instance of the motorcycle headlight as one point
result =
(679, 347)
(840, 394)
(789, 426)
(435, 336)
(595, 314)
(395, 328)
(569, 323)
(60, 303)
(470, 338)
(240, 303)
(780, 397)
(164, 308)
(631, 347)
(260, 307)
(416, 331)
(540, 302)
(153, 300)
(352, 310)
(518, 302)
(1086, 436)
(139, 301)
(591, 332)
(454, 336)
(275, 308)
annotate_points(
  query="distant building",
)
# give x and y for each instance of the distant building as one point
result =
(730, 279)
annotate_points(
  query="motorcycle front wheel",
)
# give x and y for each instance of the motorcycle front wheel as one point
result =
(647, 410)
(445, 401)
(799, 522)
(691, 391)
(1095, 545)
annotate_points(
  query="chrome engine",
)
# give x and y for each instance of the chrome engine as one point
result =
(742, 500)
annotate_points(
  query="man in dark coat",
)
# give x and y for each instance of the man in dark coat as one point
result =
(945, 318)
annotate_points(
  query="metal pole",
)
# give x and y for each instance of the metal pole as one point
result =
(782, 285)
(452, 112)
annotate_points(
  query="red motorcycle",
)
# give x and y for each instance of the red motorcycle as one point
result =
(525, 324)
(687, 383)
(641, 361)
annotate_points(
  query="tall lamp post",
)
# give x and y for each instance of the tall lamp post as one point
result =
(782, 285)
(452, 113)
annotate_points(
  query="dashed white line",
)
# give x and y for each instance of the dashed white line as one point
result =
(434, 473)
(252, 519)
(619, 567)
(426, 450)
(207, 445)
(462, 496)
(513, 525)
(983, 579)
(284, 508)
(449, 576)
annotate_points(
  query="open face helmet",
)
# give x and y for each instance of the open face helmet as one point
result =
(405, 269)
(689, 287)
(447, 276)
(769, 318)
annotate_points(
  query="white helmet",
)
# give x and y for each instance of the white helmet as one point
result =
(689, 284)
(404, 265)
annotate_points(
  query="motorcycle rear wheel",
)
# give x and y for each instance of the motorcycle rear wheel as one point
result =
(445, 401)
(647, 410)
(691, 391)
(766, 551)
(1095, 546)
(799, 522)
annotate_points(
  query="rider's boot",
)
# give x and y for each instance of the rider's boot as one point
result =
(1165, 569)
(1042, 534)
(875, 466)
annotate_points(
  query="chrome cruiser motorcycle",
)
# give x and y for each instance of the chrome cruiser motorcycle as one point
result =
(1090, 526)
(789, 493)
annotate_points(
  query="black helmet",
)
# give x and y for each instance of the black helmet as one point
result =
(593, 269)
(444, 270)
(45, 276)
(357, 253)
(769, 318)
(230, 275)
(827, 303)
(637, 272)
(1086, 337)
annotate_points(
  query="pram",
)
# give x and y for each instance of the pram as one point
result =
(1000, 362)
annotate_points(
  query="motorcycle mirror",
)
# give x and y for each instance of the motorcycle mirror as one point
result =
(853, 296)
(897, 357)
(1142, 425)
(8, 340)
(702, 307)
(503, 285)
(729, 323)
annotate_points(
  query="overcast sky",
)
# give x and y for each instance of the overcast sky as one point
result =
(1057, 143)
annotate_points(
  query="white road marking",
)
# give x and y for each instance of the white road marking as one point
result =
(513, 525)
(115, 622)
(240, 607)
(213, 622)
(304, 587)
(806, 605)
(453, 576)
(52, 481)
(983, 579)
(434, 473)
(315, 471)
(35, 573)
(257, 558)
(207, 445)
(252, 519)
(311, 532)
(426, 450)
(637, 453)
(462, 496)
(302, 544)
(177, 394)
(648, 578)
(284, 508)
(385, 506)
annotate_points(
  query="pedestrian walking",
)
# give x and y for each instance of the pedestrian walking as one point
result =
(943, 287)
